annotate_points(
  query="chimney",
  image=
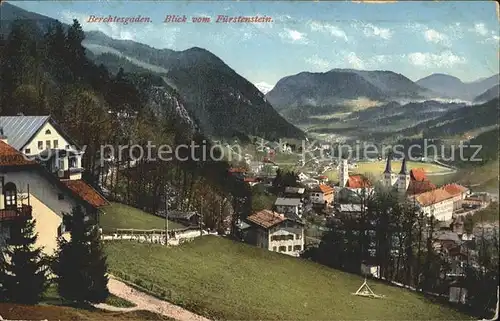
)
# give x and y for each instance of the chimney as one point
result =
(3, 137)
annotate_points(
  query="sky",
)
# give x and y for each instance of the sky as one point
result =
(415, 39)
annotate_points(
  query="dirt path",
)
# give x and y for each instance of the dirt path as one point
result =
(147, 302)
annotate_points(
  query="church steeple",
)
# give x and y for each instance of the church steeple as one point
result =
(403, 167)
(388, 165)
(404, 178)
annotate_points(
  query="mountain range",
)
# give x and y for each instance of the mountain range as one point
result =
(223, 103)
(337, 86)
(453, 87)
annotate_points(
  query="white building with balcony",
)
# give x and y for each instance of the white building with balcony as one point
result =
(275, 232)
(41, 138)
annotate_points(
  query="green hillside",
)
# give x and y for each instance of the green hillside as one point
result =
(121, 216)
(222, 279)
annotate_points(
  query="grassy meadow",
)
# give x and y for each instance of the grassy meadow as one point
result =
(121, 216)
(376, 169)
(222, 279)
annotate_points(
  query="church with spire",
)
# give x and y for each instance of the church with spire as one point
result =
(400, 181)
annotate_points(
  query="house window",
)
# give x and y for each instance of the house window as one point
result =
(40, 144)
(297, 248)
(274, 248)
(72, 162)
(289, 248)
(60, 196)
(47, 144)
(282, 249)
(56, 143)
(47, 132)
(10, 196)
(27, 151)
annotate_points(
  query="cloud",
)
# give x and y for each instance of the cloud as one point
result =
(293, 36)
(434, 36)
(444, 38)
(328, 28)
(429, 60)
(354, 61)
(480, 28)
(318, 62)
(370, 30)
(489, 36)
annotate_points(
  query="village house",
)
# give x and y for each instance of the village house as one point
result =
(459, 193)
(275, 232)
(41, 138)
(291, 207)
(186, 218)
(295, 192)
(29, 190)
(437, 203)
(321, 195)
(355, 184)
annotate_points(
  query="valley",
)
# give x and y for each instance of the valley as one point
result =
(152, 171)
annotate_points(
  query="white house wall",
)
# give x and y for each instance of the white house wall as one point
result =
(44, 199)
(41, 136)
(298, 239)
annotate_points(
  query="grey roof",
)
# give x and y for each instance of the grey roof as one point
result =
(181, 215)
(350, 207)
(295, 190)
(20, 129)
(280, 201)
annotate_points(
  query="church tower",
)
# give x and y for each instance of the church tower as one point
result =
(343, 173)
(389, 178)
(404, 178)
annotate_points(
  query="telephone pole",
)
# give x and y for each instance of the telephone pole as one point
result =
(166, 215)
(200, 218)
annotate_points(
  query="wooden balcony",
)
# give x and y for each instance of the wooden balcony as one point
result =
(23, 212)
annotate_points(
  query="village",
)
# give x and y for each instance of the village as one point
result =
(42, 179)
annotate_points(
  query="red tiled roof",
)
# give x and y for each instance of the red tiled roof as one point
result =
(251, 179)
(237, 170)
(419, 187)
(266, 218)
(324, 189)
(455, 189)
(358, 181)
(322, 177)
(9, 156)
(433, 197)
(86, 192)
(418, 174)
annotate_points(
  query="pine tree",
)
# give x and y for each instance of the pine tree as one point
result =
(80, 264)
(23, 268)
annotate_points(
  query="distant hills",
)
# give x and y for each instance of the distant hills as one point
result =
(223, 103)
(453, 87)
(458, 121)
(334, 87)
(489, 94)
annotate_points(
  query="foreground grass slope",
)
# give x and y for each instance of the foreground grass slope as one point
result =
(123, 216)
(222, 279)
(29, 312)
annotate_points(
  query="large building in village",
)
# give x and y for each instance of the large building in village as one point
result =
(439, 202)
(40, 177)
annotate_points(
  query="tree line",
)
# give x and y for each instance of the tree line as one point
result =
(390, 232)
(49, 72)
